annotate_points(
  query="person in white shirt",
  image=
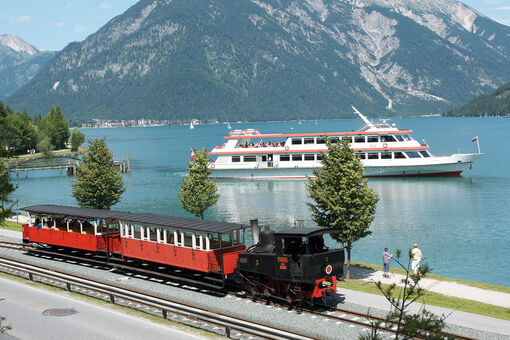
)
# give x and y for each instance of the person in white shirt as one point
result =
(416, 257)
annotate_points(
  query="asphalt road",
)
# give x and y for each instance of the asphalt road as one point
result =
(23, 305)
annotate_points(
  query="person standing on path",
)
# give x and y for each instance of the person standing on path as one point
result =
(416, 257)
(386, 262)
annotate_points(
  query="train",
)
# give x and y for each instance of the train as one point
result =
(292, 264)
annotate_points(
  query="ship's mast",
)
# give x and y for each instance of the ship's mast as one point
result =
(365, 119)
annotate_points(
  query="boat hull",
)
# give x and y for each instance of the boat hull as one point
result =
(452, 165)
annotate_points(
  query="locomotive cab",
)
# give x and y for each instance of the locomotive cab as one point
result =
(294, 264)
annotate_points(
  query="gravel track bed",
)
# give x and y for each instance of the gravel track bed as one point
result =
(315, 326)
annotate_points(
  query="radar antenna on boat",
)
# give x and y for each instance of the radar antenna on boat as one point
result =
(365, 119)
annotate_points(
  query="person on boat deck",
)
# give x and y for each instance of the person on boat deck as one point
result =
(416, 257)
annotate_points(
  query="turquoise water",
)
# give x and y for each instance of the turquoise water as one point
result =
(462, 223)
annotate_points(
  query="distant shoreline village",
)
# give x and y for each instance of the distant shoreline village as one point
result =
(142, 122)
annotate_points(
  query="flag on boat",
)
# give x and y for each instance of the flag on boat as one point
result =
(191, 156)
(475, 139)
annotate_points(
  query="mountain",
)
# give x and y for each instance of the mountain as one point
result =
(273, 59)
(495, 104)
(19, 62)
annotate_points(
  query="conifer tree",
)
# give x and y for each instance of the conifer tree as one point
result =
(6, 188)
(56, 127)
(77, 138)
(197, 192)
(98, 182)
(342, 197)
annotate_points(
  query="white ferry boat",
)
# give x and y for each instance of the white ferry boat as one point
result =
(384, 150)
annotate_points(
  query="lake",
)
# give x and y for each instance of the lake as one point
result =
(461, 223)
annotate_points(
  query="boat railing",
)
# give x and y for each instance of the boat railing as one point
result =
(247, 132)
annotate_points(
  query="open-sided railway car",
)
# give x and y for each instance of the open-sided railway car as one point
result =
(293, 263)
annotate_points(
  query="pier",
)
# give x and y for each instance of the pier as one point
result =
(68, 166)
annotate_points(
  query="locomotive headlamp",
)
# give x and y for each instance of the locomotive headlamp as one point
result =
(328, 269)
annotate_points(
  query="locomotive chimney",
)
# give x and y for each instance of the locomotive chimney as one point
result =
(255, 230)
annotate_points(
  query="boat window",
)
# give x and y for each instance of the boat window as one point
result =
(250, 158)
(372, 139)
(296, 141)
(400, 138)
(321, 140)
(406, 137)
(236, 159)
(359, 139)
(262, 158)
(387, 138)
(319, 157)
(349, 138)
(386, 155)
(373, 155)
(424, 154)
(413, 154)
(297, 157)
(308, 141)
(309, 157)
(399, 155)
(284, 158)
(361, 155)
(334, 140)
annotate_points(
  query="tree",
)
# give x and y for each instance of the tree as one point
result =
(421, 325)
(197, 192)
(55, 126)
(77, 138)
(342, 197)
(6, 188)
(98, 182)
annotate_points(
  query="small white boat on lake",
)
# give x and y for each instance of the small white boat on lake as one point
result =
(384, 150)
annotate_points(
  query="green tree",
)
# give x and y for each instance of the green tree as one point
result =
(98, 182)
(342, 197)
(18, 133)
(44, 146)
(6, 188)
(420, 325)
(197, 192)
(77, 138)
(55, 126)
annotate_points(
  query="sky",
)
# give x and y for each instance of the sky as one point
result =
(50, 25)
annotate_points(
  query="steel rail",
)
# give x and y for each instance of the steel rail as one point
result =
(157, 302)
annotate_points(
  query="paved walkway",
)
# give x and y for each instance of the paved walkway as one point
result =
(442, 287)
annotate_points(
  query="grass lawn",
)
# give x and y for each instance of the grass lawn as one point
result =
(40, 155)
(11, 226)
(437, 299)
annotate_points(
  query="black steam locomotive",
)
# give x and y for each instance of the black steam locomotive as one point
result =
(293, 264)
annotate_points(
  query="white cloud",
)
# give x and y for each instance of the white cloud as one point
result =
(505, 8)
(78, 28)
(60, 24)
(105, 5)
(21, 19)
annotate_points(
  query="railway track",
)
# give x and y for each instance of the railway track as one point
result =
(337, 315)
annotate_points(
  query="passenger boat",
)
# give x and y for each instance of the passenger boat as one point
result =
(384, 150)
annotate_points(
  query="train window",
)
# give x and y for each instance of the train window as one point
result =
(373, 139)
(424, 154)
(309, 141)
(361, 155)
(297, 157)
(359, 139)
(413, 154)
(296, 141)
(373, 155)
(214, 241)
(152, 235)
(226, 240)
(236, 159)
(309, 157)
(250, 158)
(187, 239)
(399, 155)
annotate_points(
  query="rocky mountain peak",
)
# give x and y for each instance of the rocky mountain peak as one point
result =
(17, 44)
